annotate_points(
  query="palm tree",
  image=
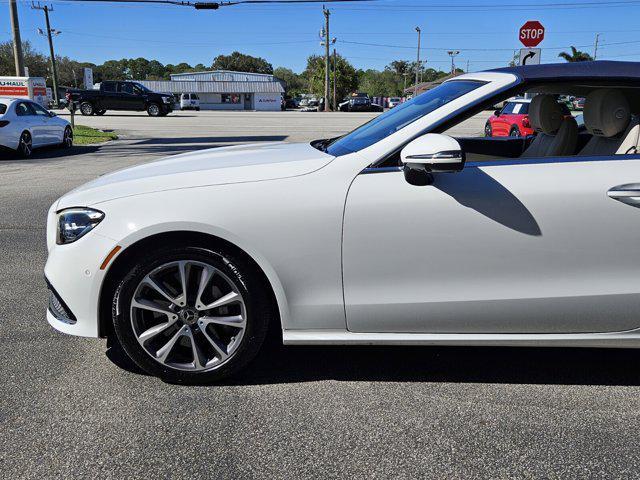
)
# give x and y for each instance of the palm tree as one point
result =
(575, 55)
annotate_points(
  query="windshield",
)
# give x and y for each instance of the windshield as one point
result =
(401, 116)
(142, 87)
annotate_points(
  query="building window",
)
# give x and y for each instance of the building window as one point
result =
(230, 98)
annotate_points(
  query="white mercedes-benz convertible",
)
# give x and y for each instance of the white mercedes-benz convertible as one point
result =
(395, 233)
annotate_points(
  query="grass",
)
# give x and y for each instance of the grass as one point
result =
(83, 135)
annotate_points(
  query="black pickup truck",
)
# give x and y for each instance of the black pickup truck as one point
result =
(120, 95)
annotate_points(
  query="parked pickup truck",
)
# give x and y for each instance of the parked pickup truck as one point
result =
(120, 95)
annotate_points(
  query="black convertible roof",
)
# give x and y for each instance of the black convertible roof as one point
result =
(602, 70)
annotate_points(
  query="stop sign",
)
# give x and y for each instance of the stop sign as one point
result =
(531, 33)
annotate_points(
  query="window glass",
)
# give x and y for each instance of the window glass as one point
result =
(230, 98)
(185, 96)
(515, 108)
(126, 88)
(39, 110)
(3, 108)
(22, 110)
(194, 96)
(109, 87)
(401, 116)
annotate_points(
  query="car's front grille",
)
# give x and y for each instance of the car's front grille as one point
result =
(58, 308)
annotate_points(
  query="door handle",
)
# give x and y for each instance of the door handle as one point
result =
(628, 193)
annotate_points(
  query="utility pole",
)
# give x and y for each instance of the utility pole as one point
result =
(415, 88)
(54, 69)
(595, 49)
(17, 43)
(452, 54)
(326, 58)
(467, 66)
(335, 79)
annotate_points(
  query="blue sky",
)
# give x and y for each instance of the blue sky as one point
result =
(484, 32)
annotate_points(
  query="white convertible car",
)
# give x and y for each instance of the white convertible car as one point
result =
(392, 234)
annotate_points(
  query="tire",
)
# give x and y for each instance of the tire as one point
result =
(100, 112)
(488, 130)
(179, 364)
(25, 145)
(153, 109)
(197, 109)
(514, 132)
(67, 138)
(86, 109)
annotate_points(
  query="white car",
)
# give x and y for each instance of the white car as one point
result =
(394, 102)
(190, 101)
(25, 125)
(392, 234)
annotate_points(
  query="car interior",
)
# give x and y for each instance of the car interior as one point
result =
(609, 125)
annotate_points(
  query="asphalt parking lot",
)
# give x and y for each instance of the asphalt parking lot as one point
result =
(71, 408)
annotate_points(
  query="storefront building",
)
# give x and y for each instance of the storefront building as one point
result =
(225, 90)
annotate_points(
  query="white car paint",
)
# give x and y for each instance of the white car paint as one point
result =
(505, 254)
(44, 128)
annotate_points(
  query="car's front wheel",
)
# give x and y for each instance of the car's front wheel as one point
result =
(514, 132)
(191, 315)
(153, 109)
(488, 131)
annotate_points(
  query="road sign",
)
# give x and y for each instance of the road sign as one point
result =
(531, 33)
(530, 56)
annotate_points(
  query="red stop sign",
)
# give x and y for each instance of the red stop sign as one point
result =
(531, 33)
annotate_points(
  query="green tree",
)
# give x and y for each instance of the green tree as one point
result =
(240, 62)
(347, 78)
(37, 63)
(294, 84)
(575, 56)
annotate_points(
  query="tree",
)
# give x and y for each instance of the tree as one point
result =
(347, 79)
(239, 62)
(37, 63)
(400, 67)
(294, 84)
(575, 56)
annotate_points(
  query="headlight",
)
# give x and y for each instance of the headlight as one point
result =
(74, 223)
(167, 100)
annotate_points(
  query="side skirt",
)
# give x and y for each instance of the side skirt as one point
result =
(627, 339)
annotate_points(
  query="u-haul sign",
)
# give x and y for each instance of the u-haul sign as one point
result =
(34, 88)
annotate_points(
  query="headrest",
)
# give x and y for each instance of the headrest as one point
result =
(545, 114)
(606, 112)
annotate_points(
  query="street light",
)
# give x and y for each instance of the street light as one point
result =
(415, 88)
(452, 54)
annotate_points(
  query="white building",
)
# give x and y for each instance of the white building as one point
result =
(225, 90)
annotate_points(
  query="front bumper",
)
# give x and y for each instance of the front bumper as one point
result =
(73, 272)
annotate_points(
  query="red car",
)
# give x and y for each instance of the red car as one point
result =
(512, 120)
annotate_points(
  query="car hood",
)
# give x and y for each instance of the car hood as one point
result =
(215, 166)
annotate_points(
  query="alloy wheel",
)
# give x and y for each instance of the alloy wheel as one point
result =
(68, 138)
(26, 145)
(188, 315)
(153, 110)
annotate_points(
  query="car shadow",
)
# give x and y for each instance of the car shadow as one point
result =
(280, 364)
(212, 140)
(51, 153)
(477, 190)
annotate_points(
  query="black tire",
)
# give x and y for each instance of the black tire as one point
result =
(86, 109)
(25, 145)
(154, 110)
(100, 112)
(488, 131)
(67, 139)
(197, 109)
(514, 132)
(258, 307)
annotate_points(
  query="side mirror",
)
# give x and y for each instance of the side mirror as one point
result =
(52, 113)
(428, 154)
(497, 113)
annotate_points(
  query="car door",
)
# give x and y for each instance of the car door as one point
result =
(51, 128)
(510, 246)
(32, 122)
